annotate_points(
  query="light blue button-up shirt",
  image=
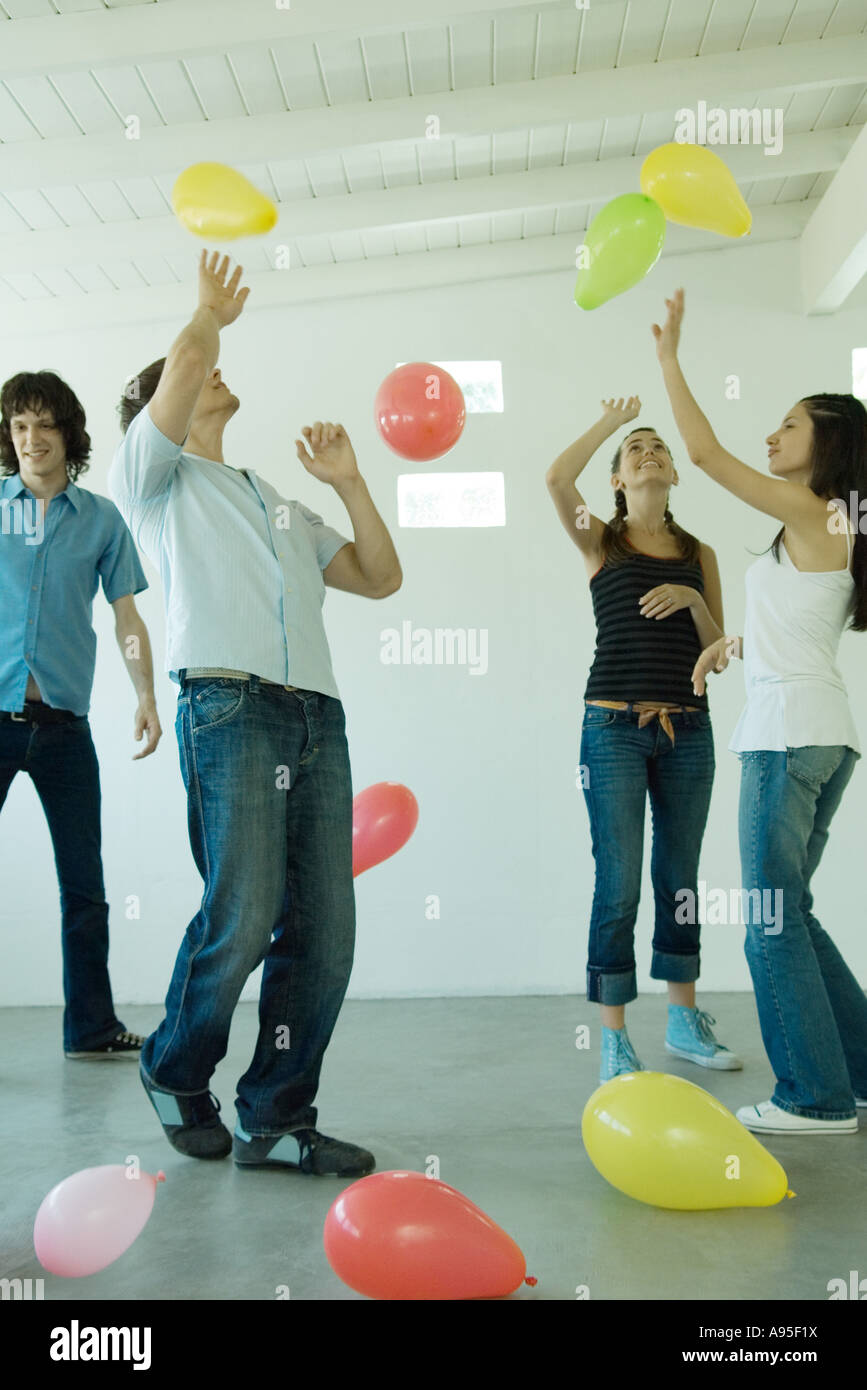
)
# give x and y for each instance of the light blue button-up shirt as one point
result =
(241, 567)
(52, 558)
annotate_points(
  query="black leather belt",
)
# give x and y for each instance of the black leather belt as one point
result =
(35, 712)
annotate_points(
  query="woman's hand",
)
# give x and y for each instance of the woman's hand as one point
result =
(713, 658)
(666, 599)
(617, 414)
(668, 337)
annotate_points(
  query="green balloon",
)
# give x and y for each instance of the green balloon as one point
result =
(624, 241)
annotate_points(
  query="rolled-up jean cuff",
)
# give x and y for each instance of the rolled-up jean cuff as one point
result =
(678, 969)
(613, 987)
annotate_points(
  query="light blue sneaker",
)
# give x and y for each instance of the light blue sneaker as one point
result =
(689, 1035)
(617, 1054)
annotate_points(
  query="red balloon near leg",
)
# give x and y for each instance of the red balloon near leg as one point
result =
(383, 818)
(401, 1235)
(420, 411)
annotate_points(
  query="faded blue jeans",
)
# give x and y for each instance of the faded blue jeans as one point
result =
(812, 1011)
(624, 766)
(269, 799)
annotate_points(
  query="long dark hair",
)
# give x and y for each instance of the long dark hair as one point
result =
(46, 391)
(839, 471)
(614, 546)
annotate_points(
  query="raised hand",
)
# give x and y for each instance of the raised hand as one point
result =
(224, 298)
(619, 414)
(333, 458)
(668, 337)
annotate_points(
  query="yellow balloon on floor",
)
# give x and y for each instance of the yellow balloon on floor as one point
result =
(695, 188)
(214, 201)
(666, 1142)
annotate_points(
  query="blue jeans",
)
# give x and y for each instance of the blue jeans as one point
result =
(812, 1011)
(60, 760)
(623, 764)
(269, 799)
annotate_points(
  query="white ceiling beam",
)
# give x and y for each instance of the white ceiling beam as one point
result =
(833, 248)
(195, 28)
(639, 89)
(811, 152)
(377, 275)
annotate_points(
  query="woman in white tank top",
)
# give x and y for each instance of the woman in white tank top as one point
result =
(796, 738)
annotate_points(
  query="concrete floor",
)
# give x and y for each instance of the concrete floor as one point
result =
(495, 1087)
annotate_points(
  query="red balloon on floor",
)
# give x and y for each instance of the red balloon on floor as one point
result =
(401, 1235)
(420, 411)
(383, 818)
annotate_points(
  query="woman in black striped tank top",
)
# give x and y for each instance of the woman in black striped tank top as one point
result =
(657, 603)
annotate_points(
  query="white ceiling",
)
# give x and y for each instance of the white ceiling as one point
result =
(546, 111)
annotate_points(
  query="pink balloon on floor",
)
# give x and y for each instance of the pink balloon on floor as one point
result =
(87, 1221)
(383, 818)
(420, 411)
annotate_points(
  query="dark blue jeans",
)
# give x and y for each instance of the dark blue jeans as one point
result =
(812, 1011)
(61, 761)
(269, 805)
(623, 765)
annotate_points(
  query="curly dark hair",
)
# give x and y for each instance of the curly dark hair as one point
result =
(137, 391)
(614, 546)
(44, 391)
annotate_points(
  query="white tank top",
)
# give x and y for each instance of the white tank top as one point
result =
(794, 620)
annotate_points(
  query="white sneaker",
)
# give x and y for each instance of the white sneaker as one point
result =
(770, 1119)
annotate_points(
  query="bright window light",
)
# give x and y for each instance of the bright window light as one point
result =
(859, 373)
(451, 499)
(481, 383)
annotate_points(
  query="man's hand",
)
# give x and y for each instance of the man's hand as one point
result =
(226, 300)
(146, 717)
(333, 456)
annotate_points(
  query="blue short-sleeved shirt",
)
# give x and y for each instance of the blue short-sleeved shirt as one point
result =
(52, 558)
(241, 566)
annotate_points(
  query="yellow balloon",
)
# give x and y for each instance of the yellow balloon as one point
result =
(214, 201)
(695, 188)
(666, 1142)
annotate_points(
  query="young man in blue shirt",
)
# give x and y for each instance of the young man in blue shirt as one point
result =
(261, 734)
(57, 541)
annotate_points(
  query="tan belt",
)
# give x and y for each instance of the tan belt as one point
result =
(648, 710)
(224, 672)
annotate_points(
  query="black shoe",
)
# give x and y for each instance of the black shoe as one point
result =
(191, 1123)
(305, 1150)
(124, 1045)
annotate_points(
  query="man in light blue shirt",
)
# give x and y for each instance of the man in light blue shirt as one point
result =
(57, 541)
(261, 735)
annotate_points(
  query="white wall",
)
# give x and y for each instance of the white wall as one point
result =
(503, 834)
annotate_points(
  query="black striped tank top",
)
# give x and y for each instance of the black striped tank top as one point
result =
(641, 658)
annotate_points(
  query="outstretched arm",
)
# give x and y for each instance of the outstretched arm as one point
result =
(791, 503)
(585, 529)
(193, 354)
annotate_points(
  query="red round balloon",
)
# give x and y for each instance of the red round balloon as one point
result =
(401, 1235)
(420, 411)
(383, 818)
